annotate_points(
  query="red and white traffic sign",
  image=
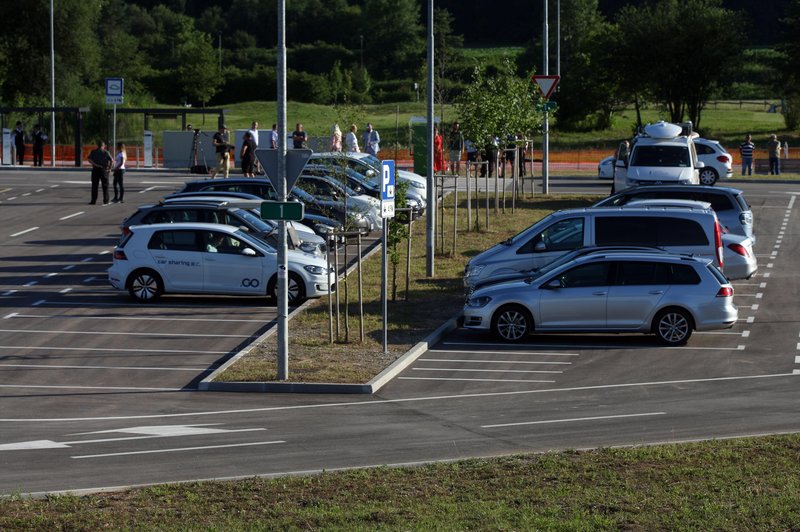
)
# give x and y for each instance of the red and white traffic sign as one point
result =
(546, 84)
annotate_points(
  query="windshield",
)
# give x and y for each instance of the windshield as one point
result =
(254, 239)
(661, 156)
(516, 237)
(255, 221)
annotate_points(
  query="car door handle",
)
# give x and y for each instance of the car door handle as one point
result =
(656, 292)
(599, 293)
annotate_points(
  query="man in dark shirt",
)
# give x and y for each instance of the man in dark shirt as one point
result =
(39, 138)
(299, 137)
(746, 149)
(221, 146)
(19, 142)
(101, 162)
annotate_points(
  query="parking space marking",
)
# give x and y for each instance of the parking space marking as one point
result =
(754, 307)
(571, 420)
(9, 292)
(162, 305)
(11, 198)
(132, 318)
(189, 335)
(128, 453)
(65, 290)
(147, 190)
(472, 380)
(39, 190)
(510, 352)
(120, 368)
(113, 350)
(87, 259)
(31, 283)
(72, 215)
(40, 302)
(725, 332)
(488, 370)
(107, 388)
(68, 267)
(766, 275)
(89, 279)
(49, 275)
(25, 231)
(466, 361)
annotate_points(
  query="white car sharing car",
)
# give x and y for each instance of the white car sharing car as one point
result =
(718, 162)
(202, 258)
(666, 295)
(605, 168)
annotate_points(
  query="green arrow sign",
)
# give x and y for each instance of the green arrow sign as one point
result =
(276, 210)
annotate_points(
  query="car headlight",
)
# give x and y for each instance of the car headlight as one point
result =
(473, 271)
(416, 184)
(314, 270)
(308, 247)
(478, 302)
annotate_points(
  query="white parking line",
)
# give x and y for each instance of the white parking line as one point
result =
(49, 275)
(179, 449)
(113, 350)
(493, 361)
(31, 283)
(188, 335)
(147, 190)
(121, 368)
(25, 231)
(109, 388)
(510, 352)
(472, 380)
(39, 190)
(595, 418)
(65, 290)
(72, 215)
(488, 370)
(145, 318)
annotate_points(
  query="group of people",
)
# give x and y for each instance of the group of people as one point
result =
(370, 140)
(104, 164)
(38, 139)
(747, 151)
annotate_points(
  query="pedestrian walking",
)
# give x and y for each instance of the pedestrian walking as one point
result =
(774, 151)
(39, 138)
(371, 140)
(273, 137)
(351, 141)
(247, 155)
(438, 151)
(19, 142)
(120, 159)
(101, 162)
(222, 148)
(336, 138)
(746, 150)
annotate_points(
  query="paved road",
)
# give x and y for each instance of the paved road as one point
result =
(97, 392)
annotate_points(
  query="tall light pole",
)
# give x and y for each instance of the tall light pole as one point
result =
(546, 122)
(52, 90)
(283, 282)
(430, 243)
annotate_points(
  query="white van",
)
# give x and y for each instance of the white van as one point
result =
(664, 154)
(694, 231)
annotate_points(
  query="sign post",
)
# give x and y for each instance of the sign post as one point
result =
(115, 94)
(387, 213)
(547, 85)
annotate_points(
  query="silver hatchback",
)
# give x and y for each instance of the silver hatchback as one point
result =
(666, 295)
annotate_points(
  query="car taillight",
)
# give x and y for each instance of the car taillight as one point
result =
(725, 291)
(119, 255)
(718, 242)
(740, 249)
(126, 231)
(724, 159)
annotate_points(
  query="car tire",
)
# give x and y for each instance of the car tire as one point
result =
(673, 326)
(145, 285)
(512, 323)
(296, 289)
(708, 176)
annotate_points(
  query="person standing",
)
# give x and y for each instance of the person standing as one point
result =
(351, 141)
(371, 140)
(438, 151)
(455, 147)
(119, 173)
(39, 138)
(101, 162)
(220, 142)
(299, 137)
(19, 142)
(336, 138)
(254, 132)
(774, 151)
(273, 137)
(746, 150)
(248, 155)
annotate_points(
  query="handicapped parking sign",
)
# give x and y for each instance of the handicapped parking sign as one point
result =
(387, 189)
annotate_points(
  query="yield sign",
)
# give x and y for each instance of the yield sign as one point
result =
(546, 84)
(295, 162)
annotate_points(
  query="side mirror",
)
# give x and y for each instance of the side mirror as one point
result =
(620, 163)
(540, 246)
(700, 164)
(554, 284)
(249, 252)
(371, 173)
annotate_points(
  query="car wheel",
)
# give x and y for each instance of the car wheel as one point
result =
(512, 323)
(145, 286)
(296, 289)
(673, 326)
(708, 176)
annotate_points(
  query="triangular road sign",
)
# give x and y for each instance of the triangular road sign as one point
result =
(546, 84)
(295, 162)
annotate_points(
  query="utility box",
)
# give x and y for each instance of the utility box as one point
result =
(419, 143)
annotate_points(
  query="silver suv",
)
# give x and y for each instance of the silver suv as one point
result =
(666, 295)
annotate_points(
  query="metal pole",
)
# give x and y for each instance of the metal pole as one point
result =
(330, 294)
(360, 291)
(283, 284)
(455, 215)
(338, 312)
(346, 297)
(546, 122)
(114, 131)
(469, 199)
(431, 220)
(408, 254)
(52, 90)
(384, 276)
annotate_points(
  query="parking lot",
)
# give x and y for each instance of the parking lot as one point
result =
(78, 360)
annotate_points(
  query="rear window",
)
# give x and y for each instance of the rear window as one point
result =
(657, 231)
(742, 202)
(181, 240)
(662, 156)
(718, 274)
(641, 273)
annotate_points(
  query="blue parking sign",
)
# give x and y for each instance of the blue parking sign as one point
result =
(387, 189)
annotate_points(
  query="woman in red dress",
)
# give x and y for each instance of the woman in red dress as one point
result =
(438, 151)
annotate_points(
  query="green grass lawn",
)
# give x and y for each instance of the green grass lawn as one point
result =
(741, 484)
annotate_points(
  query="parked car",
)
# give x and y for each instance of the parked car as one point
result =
(730, 204)
(666, 295)
(694, 231)
(178, 210)
(336, 209)
(718, 162)
(331, 189)
(201, 258)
